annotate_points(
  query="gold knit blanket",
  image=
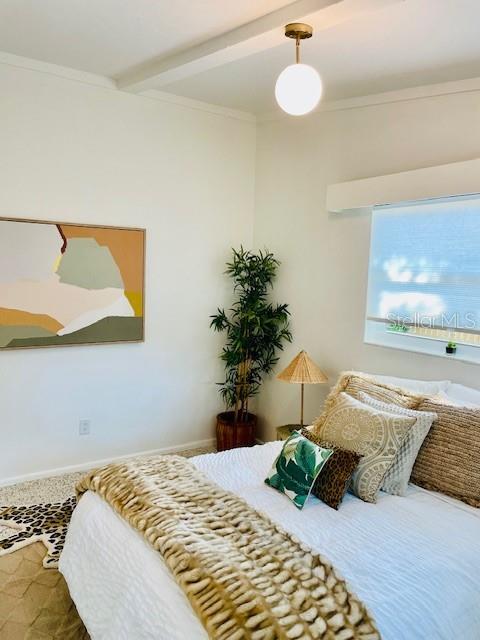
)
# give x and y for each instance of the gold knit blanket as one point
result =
(245, 577)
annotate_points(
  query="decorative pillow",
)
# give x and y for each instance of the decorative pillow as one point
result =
(449, 459)
(376, 435)
(354, 383)
(297, 467)
(332, 484)
(397, 477)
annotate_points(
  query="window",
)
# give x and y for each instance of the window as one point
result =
(424, 276)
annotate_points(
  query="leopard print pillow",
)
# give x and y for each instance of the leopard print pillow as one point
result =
(334, 479)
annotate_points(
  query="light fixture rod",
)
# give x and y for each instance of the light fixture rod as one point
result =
(299, 31)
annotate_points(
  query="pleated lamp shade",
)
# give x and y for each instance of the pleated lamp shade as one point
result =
(302, 370)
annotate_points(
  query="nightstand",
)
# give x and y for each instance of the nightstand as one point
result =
(285, 430)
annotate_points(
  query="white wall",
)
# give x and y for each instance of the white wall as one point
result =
(325, 257)
(78, 153)
(75, 152)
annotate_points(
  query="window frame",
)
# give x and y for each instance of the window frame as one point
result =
(374, 331)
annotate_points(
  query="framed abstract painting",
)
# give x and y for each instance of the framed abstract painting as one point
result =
(70, 284)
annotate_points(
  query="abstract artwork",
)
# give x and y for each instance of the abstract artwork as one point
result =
(70, 284)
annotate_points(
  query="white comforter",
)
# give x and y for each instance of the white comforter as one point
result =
(415, 561)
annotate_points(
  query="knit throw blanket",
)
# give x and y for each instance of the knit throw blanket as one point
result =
(245, 577)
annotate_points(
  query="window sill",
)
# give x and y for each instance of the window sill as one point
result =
(376, 336)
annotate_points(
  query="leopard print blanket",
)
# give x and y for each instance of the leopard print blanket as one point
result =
(245, 577)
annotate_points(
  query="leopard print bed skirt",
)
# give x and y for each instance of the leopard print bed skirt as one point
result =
(245, 577)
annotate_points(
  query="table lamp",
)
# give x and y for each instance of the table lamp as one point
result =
(302, 370)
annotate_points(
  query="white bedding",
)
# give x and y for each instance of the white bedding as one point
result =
(414, 561)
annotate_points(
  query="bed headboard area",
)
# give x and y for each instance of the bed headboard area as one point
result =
(449, 391)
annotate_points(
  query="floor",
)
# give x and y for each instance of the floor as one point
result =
(34, 602)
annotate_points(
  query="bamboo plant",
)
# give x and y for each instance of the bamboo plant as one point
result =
(255, 329)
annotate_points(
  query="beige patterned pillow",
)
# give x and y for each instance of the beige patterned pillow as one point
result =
(354, 383)
(397, 477)
(449, 459)
(376, 435)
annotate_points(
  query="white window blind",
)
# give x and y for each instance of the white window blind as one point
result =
(424, 276)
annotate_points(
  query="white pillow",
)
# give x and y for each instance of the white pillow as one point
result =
(425, 387)
(461, 396)
(397, 477)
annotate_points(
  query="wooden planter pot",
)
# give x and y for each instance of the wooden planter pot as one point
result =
(231, 436)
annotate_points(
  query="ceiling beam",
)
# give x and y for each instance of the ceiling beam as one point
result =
(259, 35)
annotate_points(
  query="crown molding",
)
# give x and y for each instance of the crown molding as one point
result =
(190, 103)
(422, 92)
(56, 70)
(103, 82)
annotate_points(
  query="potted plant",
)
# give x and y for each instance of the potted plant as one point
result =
(255, 330)
(451, 347)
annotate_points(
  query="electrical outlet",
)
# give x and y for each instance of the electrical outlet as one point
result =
(84, 427)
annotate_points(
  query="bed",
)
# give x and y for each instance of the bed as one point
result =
(414, 560)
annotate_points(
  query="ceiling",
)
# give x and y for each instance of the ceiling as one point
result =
(404, 44)
(408, 44)
(108, 37)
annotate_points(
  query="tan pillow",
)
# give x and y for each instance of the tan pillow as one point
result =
(375, 435)
(355, 383)
(449, 459)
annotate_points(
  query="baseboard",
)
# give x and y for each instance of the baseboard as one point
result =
(84, 466)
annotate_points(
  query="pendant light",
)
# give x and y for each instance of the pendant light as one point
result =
(299, 87)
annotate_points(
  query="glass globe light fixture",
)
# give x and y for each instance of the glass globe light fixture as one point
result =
(299, 87)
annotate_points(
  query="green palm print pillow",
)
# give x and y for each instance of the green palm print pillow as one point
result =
(297, 467)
